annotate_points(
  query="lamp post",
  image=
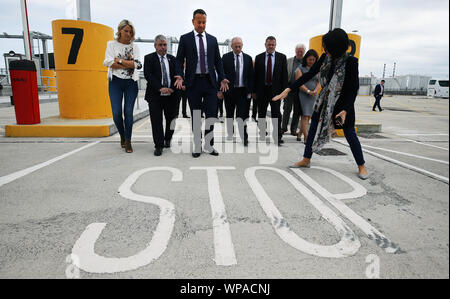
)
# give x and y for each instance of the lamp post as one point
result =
(336, 14)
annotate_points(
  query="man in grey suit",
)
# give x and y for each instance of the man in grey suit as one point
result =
(292, 100)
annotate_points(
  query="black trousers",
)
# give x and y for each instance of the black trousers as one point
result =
(220, 106)
(158, 106)
(264, 100)
(377, 103)
(236, 103)
(202, 95)
(183, 102)
(255, 109)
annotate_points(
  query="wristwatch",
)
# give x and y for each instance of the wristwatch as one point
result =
(309, 91)
(120, 61)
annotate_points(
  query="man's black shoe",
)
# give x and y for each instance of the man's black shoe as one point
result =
(246, 143)
(281, 141)
(167, 144)
(212, 152)
(185, 116)
(158, 152)
(196, 155)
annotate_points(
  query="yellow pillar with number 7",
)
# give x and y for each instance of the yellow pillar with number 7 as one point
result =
(79, 48)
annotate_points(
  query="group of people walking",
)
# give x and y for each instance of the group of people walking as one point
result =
(322, 90)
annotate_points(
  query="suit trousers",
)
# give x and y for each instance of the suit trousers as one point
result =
(349, 133)
(202, 95)
(236, 102)
(159, 105)
(264, 100)
(291, 101)
(377, 103)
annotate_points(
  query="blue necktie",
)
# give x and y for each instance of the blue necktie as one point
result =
(202, 55)
(238, 72)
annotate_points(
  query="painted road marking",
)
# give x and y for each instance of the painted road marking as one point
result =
(335, 200)
(348, 244)
(19, 174)
(425, 144)
(403, 164)
(440, 134)
(223, 243)
(406, 154)
(91, 262)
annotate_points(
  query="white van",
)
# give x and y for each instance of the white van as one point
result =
(438, 88)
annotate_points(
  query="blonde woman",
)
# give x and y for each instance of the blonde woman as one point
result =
(123, 60)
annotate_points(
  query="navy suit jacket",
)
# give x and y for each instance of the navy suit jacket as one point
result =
(153, 74)
(229, 67)
(280, 74)
(377, 91)
(187, 50)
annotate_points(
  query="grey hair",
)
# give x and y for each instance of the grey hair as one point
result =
(300, 46)
(236, 38)
(160, 37)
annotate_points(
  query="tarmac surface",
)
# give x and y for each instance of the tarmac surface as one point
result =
(83, 208)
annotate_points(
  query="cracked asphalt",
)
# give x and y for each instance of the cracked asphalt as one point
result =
(44, 212)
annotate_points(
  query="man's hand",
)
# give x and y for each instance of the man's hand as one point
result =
(224, 85)
(220, 95)
(179, 82)
(254, 95)
(166, 91)
(342, 115)
(282, 95)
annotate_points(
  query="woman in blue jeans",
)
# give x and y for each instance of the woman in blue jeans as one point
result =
(334, 107)
(122, 58)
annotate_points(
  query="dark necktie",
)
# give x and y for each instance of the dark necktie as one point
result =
(202, 55)
(164, 73)
(238, 72)
(269, 70)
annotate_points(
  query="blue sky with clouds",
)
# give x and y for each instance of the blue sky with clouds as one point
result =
(412, 33)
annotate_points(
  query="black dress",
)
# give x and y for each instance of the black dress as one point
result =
(349, 91)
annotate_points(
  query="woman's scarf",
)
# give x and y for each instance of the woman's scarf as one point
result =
(324, 105)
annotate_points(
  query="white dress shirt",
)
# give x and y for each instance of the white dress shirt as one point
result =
(239, 77)
(166, 63)
(205, 43)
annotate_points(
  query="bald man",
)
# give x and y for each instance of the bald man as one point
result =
(238, 69)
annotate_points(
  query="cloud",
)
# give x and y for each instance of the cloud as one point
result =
(412, 33)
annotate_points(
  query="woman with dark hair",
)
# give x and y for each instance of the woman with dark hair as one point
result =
(308, 92)
(334, 108)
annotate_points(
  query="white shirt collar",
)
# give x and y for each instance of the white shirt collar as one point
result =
(196, 33)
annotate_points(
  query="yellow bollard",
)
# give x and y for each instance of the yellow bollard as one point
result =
(355, 44)
(49, 80)
(79, 48)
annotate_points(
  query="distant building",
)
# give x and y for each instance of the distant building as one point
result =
(400, 85)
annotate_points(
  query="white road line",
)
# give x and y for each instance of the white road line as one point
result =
(406, 154)
(141, 125)
(19, 174)
(440, 134)
(84, 248)
(405, 165)
(426, 144)
(348, 244)
(335, 200)
(223, 243)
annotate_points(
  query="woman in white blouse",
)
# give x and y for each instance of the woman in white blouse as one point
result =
(123, 60)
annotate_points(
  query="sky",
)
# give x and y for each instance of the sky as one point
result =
(414, 34)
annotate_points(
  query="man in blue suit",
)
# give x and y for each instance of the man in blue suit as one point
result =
(238, 68)
(200, 51)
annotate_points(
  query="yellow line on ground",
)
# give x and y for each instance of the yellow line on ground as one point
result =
(143, 124)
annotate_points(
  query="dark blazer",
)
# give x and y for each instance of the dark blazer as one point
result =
(229, 68)
(377, 91)
(153, 74)
(349, 90)
(187, 50)
(280, 73)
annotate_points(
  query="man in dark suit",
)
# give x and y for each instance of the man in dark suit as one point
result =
(238, 68)
(160, 70)
(271, 78)
(379, 92)
(200, 50)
